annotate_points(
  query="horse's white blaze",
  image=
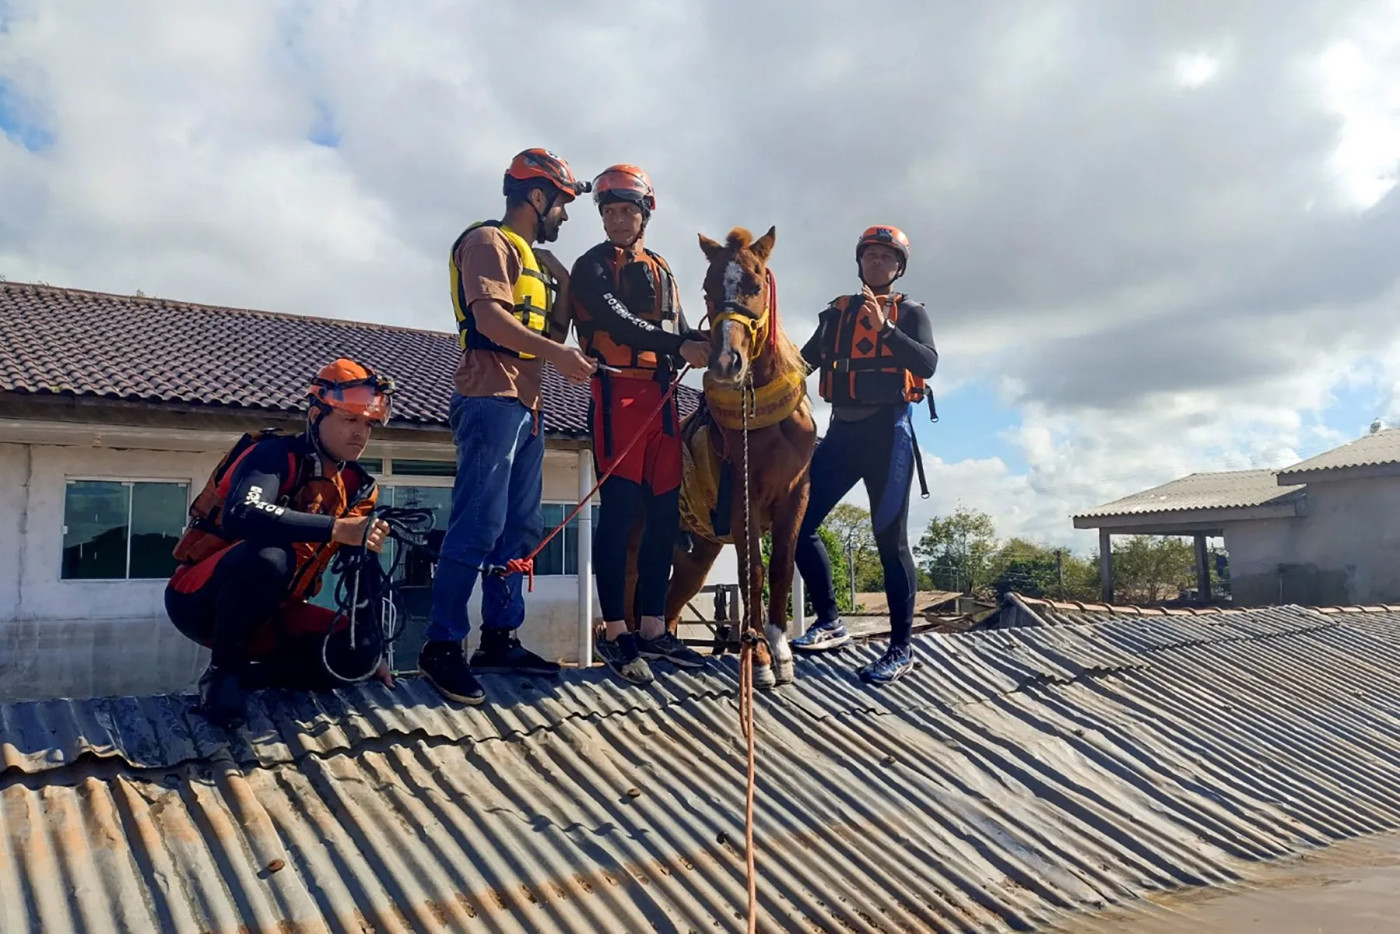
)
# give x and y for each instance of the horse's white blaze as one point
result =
(727, 328)
(777, 642)
(733, 275)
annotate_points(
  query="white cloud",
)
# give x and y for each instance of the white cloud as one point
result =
(1164, 236)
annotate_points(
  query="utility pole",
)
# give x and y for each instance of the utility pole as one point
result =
(1060, 570)
(851, 566)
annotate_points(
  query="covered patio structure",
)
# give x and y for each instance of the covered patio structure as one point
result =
(1201, 505)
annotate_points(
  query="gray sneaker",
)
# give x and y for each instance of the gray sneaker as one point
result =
(621, 656)
(668, 648)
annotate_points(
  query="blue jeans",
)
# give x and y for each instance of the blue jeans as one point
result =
(495, 513)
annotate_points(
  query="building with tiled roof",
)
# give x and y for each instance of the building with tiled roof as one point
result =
(113, 410)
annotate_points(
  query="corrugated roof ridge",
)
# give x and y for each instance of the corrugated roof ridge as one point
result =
(1129, 609)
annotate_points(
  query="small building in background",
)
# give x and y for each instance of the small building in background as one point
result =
(1325, 531)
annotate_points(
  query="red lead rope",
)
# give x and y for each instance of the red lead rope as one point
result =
(526, 565)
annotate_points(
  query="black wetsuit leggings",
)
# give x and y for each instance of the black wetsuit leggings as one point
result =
(224, 602)
(622, 501)
(879, 451)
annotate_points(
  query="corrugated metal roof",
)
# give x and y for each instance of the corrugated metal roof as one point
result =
(1227, 489)
(1017, 775)
(1019, 610)
(1383, 447)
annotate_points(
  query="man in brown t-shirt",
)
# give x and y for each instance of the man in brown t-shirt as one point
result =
(501, 295)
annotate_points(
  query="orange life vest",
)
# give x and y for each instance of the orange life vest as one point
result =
(304, 490)
(644, 283)
(856, 367)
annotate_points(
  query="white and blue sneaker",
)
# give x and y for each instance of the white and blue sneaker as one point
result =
(897, 662)
(822, 637)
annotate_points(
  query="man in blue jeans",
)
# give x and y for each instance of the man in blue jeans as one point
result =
(503, 302)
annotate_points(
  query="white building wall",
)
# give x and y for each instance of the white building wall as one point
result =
(1346, 550)
(96, 638)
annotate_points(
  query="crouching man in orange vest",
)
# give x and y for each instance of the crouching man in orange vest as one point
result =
(262, 532)
(627, 311)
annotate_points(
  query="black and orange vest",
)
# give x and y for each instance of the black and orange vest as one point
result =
(855, 367)
(351, 492)
(644, 283)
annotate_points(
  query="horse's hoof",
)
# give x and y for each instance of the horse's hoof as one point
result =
(784, 672)
(763, 677)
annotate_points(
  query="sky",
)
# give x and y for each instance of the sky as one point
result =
(1154, 239)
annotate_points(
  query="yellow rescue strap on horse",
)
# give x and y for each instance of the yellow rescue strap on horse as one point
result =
(769, 404)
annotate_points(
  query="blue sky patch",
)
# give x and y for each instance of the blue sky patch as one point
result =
(18, 122)
(323, 129)
(971, 421)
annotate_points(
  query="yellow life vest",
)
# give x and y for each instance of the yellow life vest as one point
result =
(531, 292)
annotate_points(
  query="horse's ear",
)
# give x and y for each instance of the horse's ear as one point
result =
(709, 247)
(763, 246)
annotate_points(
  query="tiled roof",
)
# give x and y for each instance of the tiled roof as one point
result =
(1383, 447)
(1220, 490)
(78, 343)
(1015, 778)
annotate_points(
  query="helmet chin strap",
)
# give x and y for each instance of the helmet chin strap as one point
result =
(313, 431)
(539, 217)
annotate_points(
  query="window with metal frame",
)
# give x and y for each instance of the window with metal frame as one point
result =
(122, 529)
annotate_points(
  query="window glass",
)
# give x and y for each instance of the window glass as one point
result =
(158, 513)
(95, 515)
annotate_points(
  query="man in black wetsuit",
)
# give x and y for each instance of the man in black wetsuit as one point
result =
(263, 531)
(627, 312)
(874, 351)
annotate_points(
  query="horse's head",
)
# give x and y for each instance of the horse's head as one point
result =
(737, 294)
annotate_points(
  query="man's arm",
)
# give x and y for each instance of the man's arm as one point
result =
(496, 320)
(812, 350)
(251, 511)
(911, 341)
(592, 284)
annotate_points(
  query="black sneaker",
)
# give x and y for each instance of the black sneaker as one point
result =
(502, 653)
(621, 656)
(668, 648)
(221, 698)
(445, 667)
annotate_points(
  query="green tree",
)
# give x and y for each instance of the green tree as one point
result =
(850, 525)
(1026, 567)
(1152, 568)
(956, 550)
(840, 571)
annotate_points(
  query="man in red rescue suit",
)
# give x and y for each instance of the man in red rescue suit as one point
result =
(874, 351)
(504, 306)
(263, 531)
(627, 311)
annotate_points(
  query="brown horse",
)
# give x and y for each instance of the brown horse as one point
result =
(755, 370)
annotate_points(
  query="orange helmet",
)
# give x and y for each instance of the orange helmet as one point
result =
(352, 387)
(535, 165)
(885, 235)
(624, 183)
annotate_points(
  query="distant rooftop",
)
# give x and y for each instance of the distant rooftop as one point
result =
(1226, 489)
(1378, 450)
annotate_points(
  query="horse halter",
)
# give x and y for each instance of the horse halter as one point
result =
(738, 312)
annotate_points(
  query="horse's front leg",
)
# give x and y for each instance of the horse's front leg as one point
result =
(787, 520)
(750, 555)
